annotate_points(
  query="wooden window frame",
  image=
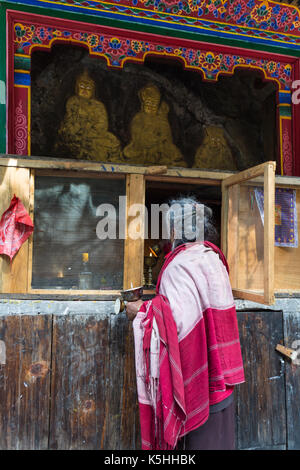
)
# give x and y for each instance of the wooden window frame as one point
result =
(272, 254)
(230, 224)
(67, 174)
(288, 182)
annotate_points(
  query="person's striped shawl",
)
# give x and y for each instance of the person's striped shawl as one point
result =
(187, 346)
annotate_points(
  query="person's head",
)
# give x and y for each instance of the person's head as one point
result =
(150, 98)
(85, 86)
(189, 221)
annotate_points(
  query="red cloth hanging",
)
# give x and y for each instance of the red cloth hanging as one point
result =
(15, 227)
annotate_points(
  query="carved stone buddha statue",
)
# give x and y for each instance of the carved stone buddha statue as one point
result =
(84, 130)
(214, 152)
(151, 137)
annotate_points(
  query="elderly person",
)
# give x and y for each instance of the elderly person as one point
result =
(187, 349)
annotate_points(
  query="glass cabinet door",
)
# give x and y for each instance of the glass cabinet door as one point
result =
(248, 227)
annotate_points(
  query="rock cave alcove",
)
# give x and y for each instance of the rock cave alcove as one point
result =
(235, 116)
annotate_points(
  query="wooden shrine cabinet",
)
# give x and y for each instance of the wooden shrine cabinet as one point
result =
(248, 243)
(259, 269)
(62, 198)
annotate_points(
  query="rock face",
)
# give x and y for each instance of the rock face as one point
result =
(233, 118)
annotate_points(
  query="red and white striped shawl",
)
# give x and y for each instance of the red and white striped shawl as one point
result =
(187, 346)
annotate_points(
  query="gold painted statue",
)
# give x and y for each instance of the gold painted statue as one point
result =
(151, 137)
(214, 152)
(84, 130)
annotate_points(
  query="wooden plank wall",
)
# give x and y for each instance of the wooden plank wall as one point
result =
(76, 391)
(260, 402)
(25, 382)
(292, 339)
(68, 382)
(93, 383)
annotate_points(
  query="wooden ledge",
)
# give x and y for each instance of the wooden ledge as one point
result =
(52, 163)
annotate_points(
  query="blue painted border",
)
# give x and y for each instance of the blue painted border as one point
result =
(21, 78)
(285, 98)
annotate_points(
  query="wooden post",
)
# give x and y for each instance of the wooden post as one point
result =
(134, 248)
(233, 221)
(269, 232)
(30, 239)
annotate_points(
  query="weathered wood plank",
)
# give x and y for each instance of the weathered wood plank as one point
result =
(104, 167)
(292, 340)
(93, 391)
(25, 382)
(123, 429)
(130, 424)
(260, 402)
(78, 388)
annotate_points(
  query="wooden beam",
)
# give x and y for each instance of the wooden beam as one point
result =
(287, 181)
(72, 292)
(56, 294)
(287, 352)
(248, 174)
(195, 180)
(107, 168)
(156, 170)
(249, 295)
(77, 174)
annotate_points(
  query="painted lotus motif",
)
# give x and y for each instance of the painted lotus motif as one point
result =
(261, 12)
(117, 50)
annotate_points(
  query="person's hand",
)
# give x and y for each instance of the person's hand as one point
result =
(132, 309)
